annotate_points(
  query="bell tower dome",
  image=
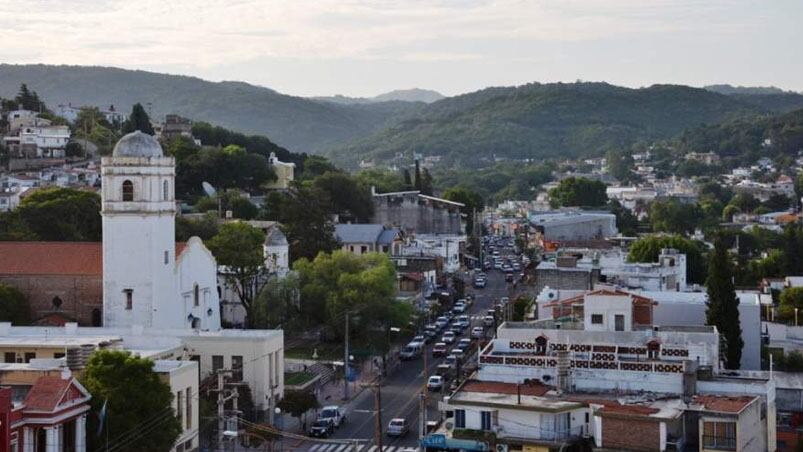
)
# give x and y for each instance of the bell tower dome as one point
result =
(139, 242)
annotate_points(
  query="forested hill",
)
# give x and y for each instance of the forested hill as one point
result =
(547, 120)
(299, 124)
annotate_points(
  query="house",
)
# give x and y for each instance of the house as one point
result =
(572, 226)
(285, 173)
(276, 250)
(366, 238)
(175, 126)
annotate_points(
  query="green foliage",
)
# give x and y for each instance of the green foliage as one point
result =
(277, 305)
(238, 247)
(240, 206)
(729, 211)
(647, 249)
(384, 181)
(345, 196)
(792, 246)
(230, 167)
(578, 191)
(722, 308)
(138, 120)
(471, 200)
(673, 216)
(745, 202)
(29, 100)
(620, 165)
(314, 166)
(626, 222)
(499, 182)
(790, 298)
(59, 214)
(181, 147)
(134, 394)
(204, 228)
(521, 306)
(333, 284)
(74, 149)
(297, 403)
(257, 144)
(14, 306)
(303, 213)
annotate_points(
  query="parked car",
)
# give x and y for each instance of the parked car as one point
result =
(411, 351)
(458, 353)
(439, 350)
(398, 427)
(464, 344)
(477, 332)
(504, 300)
(431, 331)
(333, 414)
(459, 308)
(488, 321)
(422, 338)
(448, 337)
(509, 277)
(465, 321)
(435, 383)
(321, 428)
(480, 283)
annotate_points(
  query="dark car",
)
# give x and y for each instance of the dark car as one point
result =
(321, 428)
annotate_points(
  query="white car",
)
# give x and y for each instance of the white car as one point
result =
(477, 332)
(333, 414)
(448, 337)
(435, 383)
(459, 308)
(488, 321)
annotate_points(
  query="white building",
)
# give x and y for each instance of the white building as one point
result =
(440, 245)
(276, 251)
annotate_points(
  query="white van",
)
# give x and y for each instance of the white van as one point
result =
(413, 350)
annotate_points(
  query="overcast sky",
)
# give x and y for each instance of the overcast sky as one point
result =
(365, 47)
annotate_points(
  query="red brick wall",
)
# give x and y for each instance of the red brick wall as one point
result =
(630, 434)
(79, 295)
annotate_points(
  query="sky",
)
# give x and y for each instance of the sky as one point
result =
(366, 47)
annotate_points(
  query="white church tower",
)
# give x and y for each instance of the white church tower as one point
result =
(139, 246)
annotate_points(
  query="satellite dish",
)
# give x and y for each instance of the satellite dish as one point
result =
(208, 189)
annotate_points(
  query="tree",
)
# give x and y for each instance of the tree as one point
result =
(62, 214)
(297, 403)
(729, 211)
(228, 168)
(471, 200)
(316, 165)
(408, 180)
(674, 217)
(74, 149)
(133, 395)
(344, 196)
(238, 247)
(520, 307)
(426, 182)
(305, 221)
(792, 244)
(722, 308)
(340, 282)
(204, 228)
(648, 248)
(578, 191)
(277, 305)
(417, 175)
(626, 222)
(138, 120)
(620, 165)
(14, 307)
(790, 299)
(798, 188)
(29, 100)
(745, 202)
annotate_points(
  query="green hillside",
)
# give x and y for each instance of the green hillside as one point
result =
(546, 120)
(299, 124)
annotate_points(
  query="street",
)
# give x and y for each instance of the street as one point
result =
(401, 388)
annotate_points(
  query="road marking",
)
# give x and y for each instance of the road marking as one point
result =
(316, 447)
(372, 449)
(343, 448)
(362, 411)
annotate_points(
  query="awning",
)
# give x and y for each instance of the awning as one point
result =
(441, 441)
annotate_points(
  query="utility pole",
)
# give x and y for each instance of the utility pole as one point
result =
(423, 397)
(346, 361)
(221, 404)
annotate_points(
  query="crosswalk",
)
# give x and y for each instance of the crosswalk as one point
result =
(360, 448)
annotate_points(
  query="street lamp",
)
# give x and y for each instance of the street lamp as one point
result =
(277, 422)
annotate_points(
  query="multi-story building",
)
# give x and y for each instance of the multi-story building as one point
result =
(414, 212)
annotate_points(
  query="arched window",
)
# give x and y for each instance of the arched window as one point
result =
(540, 345)
(196, 294)
(56, 302)
(128, 190)
(196, 323)
(165, 191)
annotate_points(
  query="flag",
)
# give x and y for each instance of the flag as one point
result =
(102, 417)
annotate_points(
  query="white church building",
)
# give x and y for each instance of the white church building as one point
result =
(160, 298)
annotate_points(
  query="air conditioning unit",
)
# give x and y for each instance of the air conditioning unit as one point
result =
(501, 447)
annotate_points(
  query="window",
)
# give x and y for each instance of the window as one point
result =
(619, 322)
(165, 191)
(128, 190)
(459, 418)
(363, 249)
(29, 356)
(56, 301)
(129, 299)
(9, 357)
(217, 362)
(196, 294)
(485, 420)
(237, 367)
(167, 257)
(180, 407)
(719, 435)
(58, 355)
(96, 317)
(188, 398)
(596, 319)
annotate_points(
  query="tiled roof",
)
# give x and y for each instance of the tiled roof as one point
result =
(638, 410)
(499, 387)
(55, 258)
(724, 404)
(46, 393)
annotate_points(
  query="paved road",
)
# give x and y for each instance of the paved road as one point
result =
(400, 390)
